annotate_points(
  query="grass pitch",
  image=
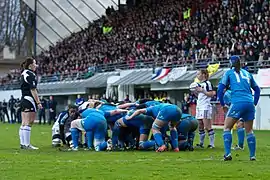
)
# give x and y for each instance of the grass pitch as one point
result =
(50, 163)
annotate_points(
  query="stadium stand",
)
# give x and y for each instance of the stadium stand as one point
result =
(185, 32)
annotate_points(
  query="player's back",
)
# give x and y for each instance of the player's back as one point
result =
(152, 103)
(240, 85)
(154, 110)
(107, 107)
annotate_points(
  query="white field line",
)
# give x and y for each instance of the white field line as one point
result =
(117, 161)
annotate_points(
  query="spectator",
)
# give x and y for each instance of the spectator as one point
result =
(5, 110)
(42, 112)
(52, 110)
(11, 105)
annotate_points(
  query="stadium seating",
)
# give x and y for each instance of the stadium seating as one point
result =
(184, 32)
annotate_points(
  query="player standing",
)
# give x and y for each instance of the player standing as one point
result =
(242, 105)
(204, 108)
(29, 101)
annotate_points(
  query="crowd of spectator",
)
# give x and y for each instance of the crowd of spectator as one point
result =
(157, 30)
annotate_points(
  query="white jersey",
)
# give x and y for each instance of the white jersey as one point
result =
(203, 102)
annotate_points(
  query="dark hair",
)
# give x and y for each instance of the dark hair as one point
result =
(205, 72)
(71, 106)
(237, 66)
(28, 61)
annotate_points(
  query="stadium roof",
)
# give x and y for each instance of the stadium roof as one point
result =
(57, 19)
(75, 87)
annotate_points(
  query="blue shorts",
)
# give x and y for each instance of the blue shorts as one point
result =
(246, 111)
(95, 123)
(186, 126)
(170, 113)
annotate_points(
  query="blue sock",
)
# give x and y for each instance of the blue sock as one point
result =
(158, 139)
(183, 146)
(146, 144)
(251, 140)
(174, 138)
(103, 146)
(227, 138)
(241, 137)
(121, 144)
(75, 137)
(115, 134)
(89, 139)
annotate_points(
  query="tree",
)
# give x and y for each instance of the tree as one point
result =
(16, 24)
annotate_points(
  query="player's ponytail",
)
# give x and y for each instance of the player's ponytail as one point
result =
(235, 62)
(237, 66)
(27, 62)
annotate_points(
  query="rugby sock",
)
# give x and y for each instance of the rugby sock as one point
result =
(202, 136)
(89, 139)
(146, 144)
(115, 133)
(174, 138)
(26, 135)
(251, 140)
(191, 136)
(75, 137)
(241, 137)
(103, 146)
(227, 138)
(211, 134)
(158, 139)
(21, 135)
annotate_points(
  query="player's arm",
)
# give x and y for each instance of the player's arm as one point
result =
(256, 88)
(224, 82)
(115, 112)
(136, 113)
(32, 83)
(126, 105)
(209, 90)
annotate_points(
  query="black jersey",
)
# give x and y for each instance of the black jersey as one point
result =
(28, 82)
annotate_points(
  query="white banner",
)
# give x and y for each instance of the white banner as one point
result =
(174, 74)
(263, 77)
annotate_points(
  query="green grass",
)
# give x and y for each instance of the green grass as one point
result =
(50, 163)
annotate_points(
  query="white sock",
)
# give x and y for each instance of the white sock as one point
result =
(211, 134)
(27, 134)
(21, 130)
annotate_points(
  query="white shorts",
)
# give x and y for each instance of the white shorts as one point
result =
(77, 124)
(204, 114)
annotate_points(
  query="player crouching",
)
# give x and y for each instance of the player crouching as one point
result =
(60, 130)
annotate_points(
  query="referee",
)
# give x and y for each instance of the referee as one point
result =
(29, 101)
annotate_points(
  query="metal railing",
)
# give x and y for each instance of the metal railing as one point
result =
(151, 63)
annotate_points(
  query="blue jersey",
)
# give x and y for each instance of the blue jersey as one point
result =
(139, 120)
(107, 107)
(228, 97)
(154, 110)
(165, 112)
(152, 103)
(90, 111)
(240, 84)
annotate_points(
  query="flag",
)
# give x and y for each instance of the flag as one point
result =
(212, 69)
(161, 73)
(174, 74)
